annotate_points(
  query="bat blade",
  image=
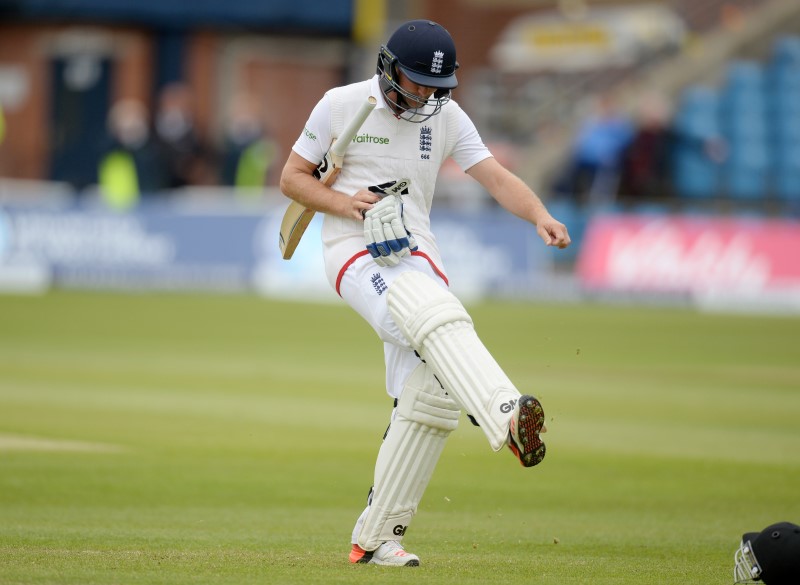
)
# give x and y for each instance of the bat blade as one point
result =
(297, 217)
(293, 226)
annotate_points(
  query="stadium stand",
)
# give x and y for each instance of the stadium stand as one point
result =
(756, 112)
(783, 114)
(695, 171)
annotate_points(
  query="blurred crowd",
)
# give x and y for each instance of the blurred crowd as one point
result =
(738, 141)
(150, 155)
(621, 156)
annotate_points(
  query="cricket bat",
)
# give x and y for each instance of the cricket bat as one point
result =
(296, 218)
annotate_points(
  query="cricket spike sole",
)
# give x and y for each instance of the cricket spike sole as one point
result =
(526, 424)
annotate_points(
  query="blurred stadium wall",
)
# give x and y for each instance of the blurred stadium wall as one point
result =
(529, 68)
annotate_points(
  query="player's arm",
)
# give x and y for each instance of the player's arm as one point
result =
(299, 183)
(516, 197)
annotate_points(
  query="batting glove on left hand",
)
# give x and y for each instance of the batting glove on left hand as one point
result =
(386, 236)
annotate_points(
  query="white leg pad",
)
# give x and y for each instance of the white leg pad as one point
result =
(439, 328)
(424, 418)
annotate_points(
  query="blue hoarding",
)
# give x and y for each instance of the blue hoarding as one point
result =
(165, 248)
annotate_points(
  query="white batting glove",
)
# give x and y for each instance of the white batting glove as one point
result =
(386, 236)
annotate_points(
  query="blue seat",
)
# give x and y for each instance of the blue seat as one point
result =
(744, 75)
(785, 131)
(783, 68)
(737, 103)
(786, 172)
(695, 176)
(697, 113)
(746, 173)
(787, 184)
(745, 125)
(784, 102)
(783, 78)
(786, 51)
(756, 110)
(696, 122)
(743, 102)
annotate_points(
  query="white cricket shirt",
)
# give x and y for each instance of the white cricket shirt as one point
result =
(386, 149)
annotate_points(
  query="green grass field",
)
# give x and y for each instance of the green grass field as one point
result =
(230, 440)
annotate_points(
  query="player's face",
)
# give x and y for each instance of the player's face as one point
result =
(422, 91)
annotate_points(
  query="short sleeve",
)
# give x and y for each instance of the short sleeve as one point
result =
(469, 149)
(314, 141)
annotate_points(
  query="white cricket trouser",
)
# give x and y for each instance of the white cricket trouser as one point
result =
(364, 286)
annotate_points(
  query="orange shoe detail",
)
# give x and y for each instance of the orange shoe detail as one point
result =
(359, 555)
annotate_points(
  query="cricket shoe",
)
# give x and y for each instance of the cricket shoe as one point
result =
(527, 423)
(390, 553)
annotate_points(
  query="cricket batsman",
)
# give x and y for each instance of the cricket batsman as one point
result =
(381, 257)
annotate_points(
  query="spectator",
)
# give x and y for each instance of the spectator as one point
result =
(646, 161)
(592, 174)
(129, 166)
(185, 158)
(249, 151)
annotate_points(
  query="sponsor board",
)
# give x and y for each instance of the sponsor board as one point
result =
(161, 248)
(712, 260)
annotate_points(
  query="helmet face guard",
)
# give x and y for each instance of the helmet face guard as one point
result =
(408, 106)
(771, 556)
(746, 568)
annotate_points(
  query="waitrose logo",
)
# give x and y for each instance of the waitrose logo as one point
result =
(369, 139)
